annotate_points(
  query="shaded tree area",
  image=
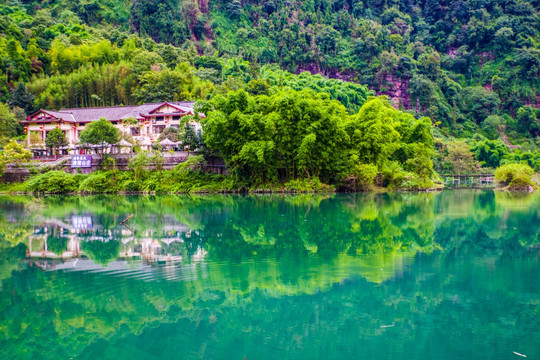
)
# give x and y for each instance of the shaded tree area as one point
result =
(472, 68)
(457, 62)
(301, 135)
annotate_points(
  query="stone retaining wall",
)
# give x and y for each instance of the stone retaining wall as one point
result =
(12, 174)
(20, 174)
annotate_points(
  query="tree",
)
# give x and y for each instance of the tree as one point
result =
(139, 164)
(22, 98)
(13, 154)
(100, 132)
(527, 120)
(490, 152)
(55, 139)
(373, 132)
(493, 126)
(170, 133)
(234, 9)
(189, 137)
(460, 157)
(258, 87)
(8, 124)
(478, 103)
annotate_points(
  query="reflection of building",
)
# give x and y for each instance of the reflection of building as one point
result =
(38, 246)
(143, 122)
(60, 240)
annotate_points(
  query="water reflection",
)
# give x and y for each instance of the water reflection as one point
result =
(449, 275)
(176, 229)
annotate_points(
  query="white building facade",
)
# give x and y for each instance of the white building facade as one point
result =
(144, 123)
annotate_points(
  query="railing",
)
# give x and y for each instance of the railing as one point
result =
(475, 180)
(57, 161)
(45, 158)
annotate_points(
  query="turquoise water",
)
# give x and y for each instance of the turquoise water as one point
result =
(453, 275)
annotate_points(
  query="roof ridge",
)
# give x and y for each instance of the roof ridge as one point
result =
(99, 107)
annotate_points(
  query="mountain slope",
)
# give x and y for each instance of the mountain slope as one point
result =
(459, 62)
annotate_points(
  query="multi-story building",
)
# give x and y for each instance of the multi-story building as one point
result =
(143, 122)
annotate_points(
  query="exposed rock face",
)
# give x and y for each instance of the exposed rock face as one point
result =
(329, 73)
(204, 6)
(397, 90)
(536, 102)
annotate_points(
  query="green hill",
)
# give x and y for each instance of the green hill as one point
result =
(471, 66)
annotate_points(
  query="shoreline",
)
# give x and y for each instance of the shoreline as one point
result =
(255, 192)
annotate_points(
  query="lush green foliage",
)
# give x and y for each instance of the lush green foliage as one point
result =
(472, 68)
(460, 63)
(524, 157)
(14, 154)
(295, 135)
(515, 176)
(99, 132)
(352, 95)
(55, 182)
(490, 152)
(189, 137)
(55, 139)
(8, 124)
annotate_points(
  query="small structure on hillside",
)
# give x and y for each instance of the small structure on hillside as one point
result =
(143, 122)
(168, 144)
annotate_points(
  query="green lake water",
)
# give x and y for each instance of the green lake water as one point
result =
(452, 275)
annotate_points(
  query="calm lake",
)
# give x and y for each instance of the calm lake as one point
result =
(452, 275)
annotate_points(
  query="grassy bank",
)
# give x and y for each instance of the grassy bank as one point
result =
(182, 179)
(166, 181)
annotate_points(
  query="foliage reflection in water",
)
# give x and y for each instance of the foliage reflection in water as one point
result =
(448, 275)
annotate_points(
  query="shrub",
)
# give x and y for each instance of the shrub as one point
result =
(515, 176)
(56, 182)
(131, 185)
(392, 176)
(361, 177)
(308, 185)
(414, 182)
(98, 182)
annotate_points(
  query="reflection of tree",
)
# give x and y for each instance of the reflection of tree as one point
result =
(102, 252)
(57, 244)
(239, 226)
(10, 258)
(174, 248)
(271, 278)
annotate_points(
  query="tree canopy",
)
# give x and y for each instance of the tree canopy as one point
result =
(100, 132)
(302, 134)
(55, 139)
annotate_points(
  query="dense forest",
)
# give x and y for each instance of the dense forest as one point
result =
(472, 67)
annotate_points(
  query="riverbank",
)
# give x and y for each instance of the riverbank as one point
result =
(177, 181)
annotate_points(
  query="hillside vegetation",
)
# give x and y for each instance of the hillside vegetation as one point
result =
(472, 67)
